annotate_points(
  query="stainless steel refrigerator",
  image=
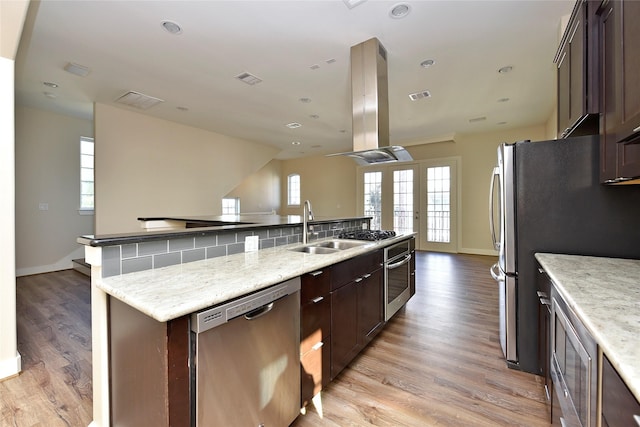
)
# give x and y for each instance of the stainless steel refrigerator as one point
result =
(546, 197)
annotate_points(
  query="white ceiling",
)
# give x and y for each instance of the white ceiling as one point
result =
(126, 48)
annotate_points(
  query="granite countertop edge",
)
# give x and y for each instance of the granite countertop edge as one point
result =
(171, 292)
(605, 294)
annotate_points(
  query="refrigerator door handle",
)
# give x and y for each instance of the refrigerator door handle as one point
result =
(496, 273)
(495, 174)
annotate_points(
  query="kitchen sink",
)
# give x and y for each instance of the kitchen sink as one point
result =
(329, 246)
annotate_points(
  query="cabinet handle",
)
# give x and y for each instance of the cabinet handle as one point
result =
(545, 301)
(542, 294)
(358, 280)
(316, 273)
(636, 418)
(366, 276)
(317, 300)
(317, 346)
(636, 130)
(541, 270)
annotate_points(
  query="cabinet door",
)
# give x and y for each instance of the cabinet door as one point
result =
(344, 327)
(619, 406)
(370, 306)
(620, 89)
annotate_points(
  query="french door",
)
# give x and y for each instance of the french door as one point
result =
(419, 197)
(439, 205)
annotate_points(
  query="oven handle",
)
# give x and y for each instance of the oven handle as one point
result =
(395, 265)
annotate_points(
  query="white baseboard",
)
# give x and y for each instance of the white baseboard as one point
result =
(63, 264)
(474, 251)
(10, 367)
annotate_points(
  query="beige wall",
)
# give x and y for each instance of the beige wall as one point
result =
(330, 182)
(48, 171)
(260, 192)
(12, 16)
(151, 167)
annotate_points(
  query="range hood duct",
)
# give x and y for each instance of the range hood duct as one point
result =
(370, 103)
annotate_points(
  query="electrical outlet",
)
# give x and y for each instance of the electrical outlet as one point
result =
(43, 206)
(251, 243)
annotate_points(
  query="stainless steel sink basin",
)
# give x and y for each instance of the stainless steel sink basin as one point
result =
(329, 246)
(315, 250)
(341, 244)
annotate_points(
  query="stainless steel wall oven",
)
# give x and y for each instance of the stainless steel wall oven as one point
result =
(397, 275)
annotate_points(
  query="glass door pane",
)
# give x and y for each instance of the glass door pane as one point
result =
(438, 204)
(373, 198)
(403, 201)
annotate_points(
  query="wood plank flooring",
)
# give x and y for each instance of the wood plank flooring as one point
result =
(54, 340)
(437, 362)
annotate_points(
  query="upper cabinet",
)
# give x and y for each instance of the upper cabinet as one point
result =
(619, 36)
(577, 62)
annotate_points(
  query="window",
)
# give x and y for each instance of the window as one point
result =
(403, 201)
(373, 198)
(438, 205)
(86, 174)
(293, 190)
(231, 206)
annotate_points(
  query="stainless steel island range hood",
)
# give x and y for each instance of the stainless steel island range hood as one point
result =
(370, 102)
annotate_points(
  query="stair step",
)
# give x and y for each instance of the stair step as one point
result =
(81, 266)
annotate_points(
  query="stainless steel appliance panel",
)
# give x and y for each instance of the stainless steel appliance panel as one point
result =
(247, 368)
(397, 277)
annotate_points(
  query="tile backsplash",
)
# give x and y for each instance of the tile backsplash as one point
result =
(128, 258)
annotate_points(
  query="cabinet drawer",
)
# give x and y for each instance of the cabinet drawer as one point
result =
(347, 271)
(315, 372)
(314, 285)
(619, 406)
(315, 323)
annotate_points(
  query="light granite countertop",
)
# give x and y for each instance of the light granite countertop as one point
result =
(170, 292)
(605, 294)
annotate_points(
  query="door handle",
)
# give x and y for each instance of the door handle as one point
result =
(498, 277)
(494, 174)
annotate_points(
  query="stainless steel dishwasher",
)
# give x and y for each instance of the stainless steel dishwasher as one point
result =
(246, 360)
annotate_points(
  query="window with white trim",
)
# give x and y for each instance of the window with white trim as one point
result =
(293, 190)
(231, 206)
(87, 187)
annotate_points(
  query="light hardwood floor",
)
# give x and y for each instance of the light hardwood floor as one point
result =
(437, 362)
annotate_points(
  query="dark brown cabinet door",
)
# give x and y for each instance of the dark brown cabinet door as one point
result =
(619, 406)
(344, 327)
(620, 90)
(370, 309)
(544, 330)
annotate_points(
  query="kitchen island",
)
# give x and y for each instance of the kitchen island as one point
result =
(164, 276)
(605, 295)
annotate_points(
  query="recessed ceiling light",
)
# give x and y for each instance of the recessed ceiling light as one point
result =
(295, 143)
(171, 27)
(314, 116)
(505, 69)
(316, 146)
(330, 61)
(50, 84)
(400, 11)
(305, 100)
(293, 125)
(503, 99)
(181, 108)
(77, 69)
(502, 123)
(427, 63)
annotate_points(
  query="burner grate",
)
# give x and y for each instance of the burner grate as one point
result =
(367, 234)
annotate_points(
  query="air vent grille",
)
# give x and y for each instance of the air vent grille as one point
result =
(419, 95)
(248, 78)
(138, 100)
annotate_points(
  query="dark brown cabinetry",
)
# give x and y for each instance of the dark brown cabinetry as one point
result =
(315, 333)
(577, 62)
(544, 330)
(356, 307)
(619, 406)
(619, 36)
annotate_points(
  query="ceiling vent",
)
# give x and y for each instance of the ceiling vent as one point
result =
(138, 100)
(77, 69)
(248, 78)
(419, 95)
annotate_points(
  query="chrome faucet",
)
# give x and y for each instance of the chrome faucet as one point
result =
(307, 215)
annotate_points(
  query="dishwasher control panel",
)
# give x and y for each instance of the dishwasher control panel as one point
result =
(218, 315)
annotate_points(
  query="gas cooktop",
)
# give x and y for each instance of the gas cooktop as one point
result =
(367, 234)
